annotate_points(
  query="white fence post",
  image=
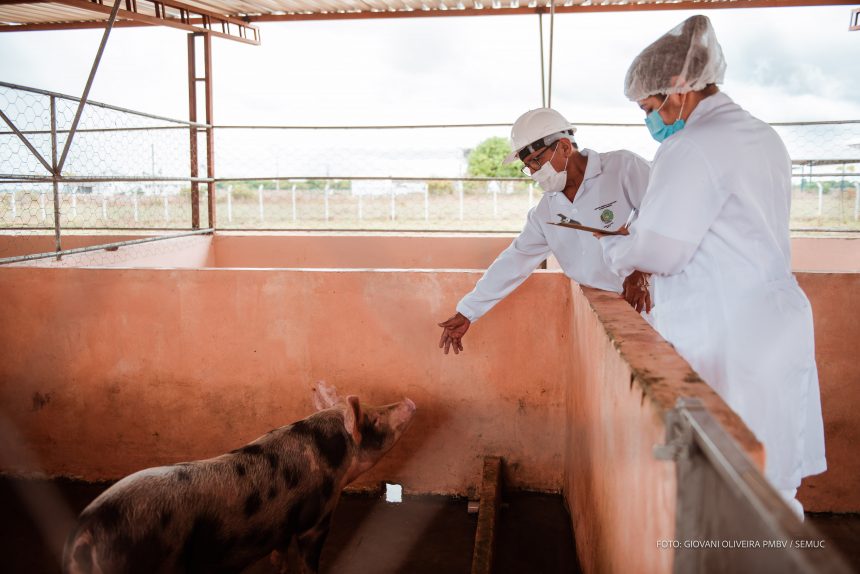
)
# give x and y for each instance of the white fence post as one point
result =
(75, 203)
(495, 200)
(166, 205)
(15, 205)
(104, 206)
(360, 207)
(426, 204)
(326, 201)
(856, 200)
(820, 197)
(42, 210)
(393, 213)
(230, 203)
(260, 193)
(460, 189)
(293, 193)
(134, 206)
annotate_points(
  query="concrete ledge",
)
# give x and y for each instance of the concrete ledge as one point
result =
(625, 378)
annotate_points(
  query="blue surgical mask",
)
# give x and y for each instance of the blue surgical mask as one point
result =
(658, 128)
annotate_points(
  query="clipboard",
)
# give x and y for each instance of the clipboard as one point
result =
(585, 228)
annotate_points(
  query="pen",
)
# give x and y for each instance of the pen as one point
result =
(630, 218)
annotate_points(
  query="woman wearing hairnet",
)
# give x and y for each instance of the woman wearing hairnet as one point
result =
(713, 230)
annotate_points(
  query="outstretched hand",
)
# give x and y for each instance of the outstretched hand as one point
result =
(452, 333)
(636, 291)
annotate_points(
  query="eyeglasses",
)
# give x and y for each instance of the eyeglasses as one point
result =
(534, 164)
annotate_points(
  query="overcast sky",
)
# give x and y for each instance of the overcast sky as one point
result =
(783, 64)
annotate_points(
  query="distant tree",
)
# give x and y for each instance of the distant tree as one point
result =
(486, 159)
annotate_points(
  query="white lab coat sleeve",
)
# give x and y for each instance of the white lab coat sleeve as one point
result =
(508, 271)
(681, 203)
(635, 179)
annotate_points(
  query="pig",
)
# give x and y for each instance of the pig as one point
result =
(223, 514)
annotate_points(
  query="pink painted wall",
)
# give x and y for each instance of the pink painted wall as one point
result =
(359, 251)
(625, 378)
(825, 253)
(107, 371)
(834, 298)
(367, 251)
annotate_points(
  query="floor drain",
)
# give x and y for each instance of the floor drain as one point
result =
(393, 493)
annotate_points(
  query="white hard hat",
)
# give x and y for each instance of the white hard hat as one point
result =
(531, 132)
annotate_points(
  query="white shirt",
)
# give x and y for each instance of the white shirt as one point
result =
(613, 184)
(713, 229)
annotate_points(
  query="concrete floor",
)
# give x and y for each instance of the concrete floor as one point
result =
(842, 532)
(421, 535)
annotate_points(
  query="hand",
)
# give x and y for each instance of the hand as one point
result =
(621, 231)
(636, 291)
(452, 333)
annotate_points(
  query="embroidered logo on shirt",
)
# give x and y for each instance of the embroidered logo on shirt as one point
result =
(607, 216)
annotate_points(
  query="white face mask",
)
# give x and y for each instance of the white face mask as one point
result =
(548, 178)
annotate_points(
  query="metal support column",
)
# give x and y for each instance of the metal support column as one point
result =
(210, 133)
(542, 75)
(192, 132)
(193, 85)
(551, 42)
(55, 176)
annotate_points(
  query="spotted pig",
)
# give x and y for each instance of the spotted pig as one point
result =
(223, 514)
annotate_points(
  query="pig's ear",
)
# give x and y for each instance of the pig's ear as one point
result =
(325, 395)
(352, 417)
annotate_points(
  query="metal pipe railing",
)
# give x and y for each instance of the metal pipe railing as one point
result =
(100, 104)
(694, 438)
(102, 247)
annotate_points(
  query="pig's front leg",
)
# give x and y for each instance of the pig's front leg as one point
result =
(310, 546)
(304, 558)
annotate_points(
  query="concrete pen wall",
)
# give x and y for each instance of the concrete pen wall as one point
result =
(300, 249)
(107, 371)
(625, 379)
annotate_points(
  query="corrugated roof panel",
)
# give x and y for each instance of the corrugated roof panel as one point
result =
(273, 10)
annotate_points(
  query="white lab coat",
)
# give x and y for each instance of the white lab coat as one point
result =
(613, 184)
(713, 229)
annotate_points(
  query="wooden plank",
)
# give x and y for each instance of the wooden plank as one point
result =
(488, 512)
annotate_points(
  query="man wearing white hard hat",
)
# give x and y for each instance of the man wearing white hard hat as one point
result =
(595, 189)
(713, 230)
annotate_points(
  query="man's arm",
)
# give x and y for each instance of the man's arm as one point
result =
(636, 285)
(507, 272)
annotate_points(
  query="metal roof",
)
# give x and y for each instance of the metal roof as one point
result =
(235, 18)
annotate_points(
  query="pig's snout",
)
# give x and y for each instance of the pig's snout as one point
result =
(402, 414)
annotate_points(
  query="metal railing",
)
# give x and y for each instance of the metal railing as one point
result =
(729, 518)
(67, 167)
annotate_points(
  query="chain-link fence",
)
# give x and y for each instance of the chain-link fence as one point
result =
(128, 171)
(113, 170)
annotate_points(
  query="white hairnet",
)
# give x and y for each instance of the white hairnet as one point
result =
(686, 58)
